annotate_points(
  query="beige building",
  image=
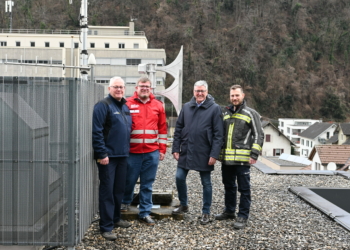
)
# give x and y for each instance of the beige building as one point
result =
(118, 52)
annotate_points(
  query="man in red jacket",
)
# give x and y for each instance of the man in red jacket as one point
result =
(147, 147)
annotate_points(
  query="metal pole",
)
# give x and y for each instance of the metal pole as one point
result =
(151, 72)
(84, 30)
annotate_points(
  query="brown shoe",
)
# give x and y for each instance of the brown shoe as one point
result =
(180, 210)
(205, 219)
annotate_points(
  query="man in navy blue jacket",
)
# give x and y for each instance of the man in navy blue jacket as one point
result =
(111, 128)
(197, 143)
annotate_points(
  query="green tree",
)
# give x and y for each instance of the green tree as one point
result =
(331, 107)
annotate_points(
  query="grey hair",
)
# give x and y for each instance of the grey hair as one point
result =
(201, 83)
(112, 80)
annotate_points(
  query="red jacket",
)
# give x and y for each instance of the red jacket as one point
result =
(149, 129)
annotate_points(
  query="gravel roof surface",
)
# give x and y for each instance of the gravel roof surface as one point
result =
(278, 218)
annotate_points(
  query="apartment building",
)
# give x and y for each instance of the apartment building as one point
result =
(292, 128)
(118, 52)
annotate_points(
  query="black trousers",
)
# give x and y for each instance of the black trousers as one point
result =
(234, 176)
(111, 192)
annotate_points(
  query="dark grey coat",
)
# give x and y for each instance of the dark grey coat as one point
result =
(198, 134)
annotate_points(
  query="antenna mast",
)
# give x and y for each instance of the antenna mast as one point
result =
(83, 34)
(8, 8)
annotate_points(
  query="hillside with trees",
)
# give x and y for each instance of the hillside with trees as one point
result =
(292, 57)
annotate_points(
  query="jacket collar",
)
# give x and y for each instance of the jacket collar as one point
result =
(240, 107)
(208, 102)
(121, 102)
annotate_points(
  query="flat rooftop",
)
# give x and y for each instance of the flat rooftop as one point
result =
(279, 219)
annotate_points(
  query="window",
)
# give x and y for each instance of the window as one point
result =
(302, 141)
(282, 124)
(159, 82)
(121, 45)
(106, 45)
(310, 143)
(277, 151)
(32, 44)
(95, 32)
(89, 32)
(136, 45)
(18, 44)
(3, 43)
(133, 61)
(305, 152)
(92, 45)
(317, 166)
(307, 143)
(327, 135)
(47, 44)
(76, 45)
(61, 45)
(288, 130)
(268, 138)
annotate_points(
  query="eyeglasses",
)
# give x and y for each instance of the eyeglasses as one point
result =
(117, 87)
(144, 86)
(200, 91)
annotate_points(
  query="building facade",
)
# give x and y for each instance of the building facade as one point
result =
(118, 52)
(316, 134)
(292, 128)
(275, 142)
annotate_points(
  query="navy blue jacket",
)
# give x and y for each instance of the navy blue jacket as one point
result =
(198, 134)
(115, 140)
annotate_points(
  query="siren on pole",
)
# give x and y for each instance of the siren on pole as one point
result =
(174, 92)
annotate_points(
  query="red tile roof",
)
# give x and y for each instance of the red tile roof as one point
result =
(338, 154)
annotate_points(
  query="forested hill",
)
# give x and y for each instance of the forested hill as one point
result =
(292, 57)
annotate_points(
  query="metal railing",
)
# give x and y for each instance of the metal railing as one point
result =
(48, 179)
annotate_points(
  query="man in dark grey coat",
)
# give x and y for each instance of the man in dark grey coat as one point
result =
(197, 143)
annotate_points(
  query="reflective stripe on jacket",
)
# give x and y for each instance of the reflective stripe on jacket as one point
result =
(244, 135)
(149, 129)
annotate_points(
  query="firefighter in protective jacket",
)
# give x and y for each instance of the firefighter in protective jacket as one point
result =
(243, 140)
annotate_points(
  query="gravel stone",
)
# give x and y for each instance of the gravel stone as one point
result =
(278, 218)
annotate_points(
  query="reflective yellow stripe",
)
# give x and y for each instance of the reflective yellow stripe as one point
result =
(242, 158)
(162, 135)
(256, 146)
(242, 117)
(229, 138)
(236, 151)
(226, 117)
(243, 152)
(236, 158)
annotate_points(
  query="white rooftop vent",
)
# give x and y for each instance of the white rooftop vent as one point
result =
(332, 166)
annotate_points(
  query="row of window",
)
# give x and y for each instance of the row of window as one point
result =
(32, 61)
(106, 61)
(128, 82)
(76, 45)
(307, 143)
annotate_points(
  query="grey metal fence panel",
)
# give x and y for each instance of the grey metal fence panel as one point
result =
(48, 179)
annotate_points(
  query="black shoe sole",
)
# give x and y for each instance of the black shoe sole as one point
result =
(204, 223)
(148, 224)
(227, 218)
(122, 226)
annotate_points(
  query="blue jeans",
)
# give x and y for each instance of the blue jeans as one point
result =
(241, 174)
(181, 175)
(143, 165)
(112, 184)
